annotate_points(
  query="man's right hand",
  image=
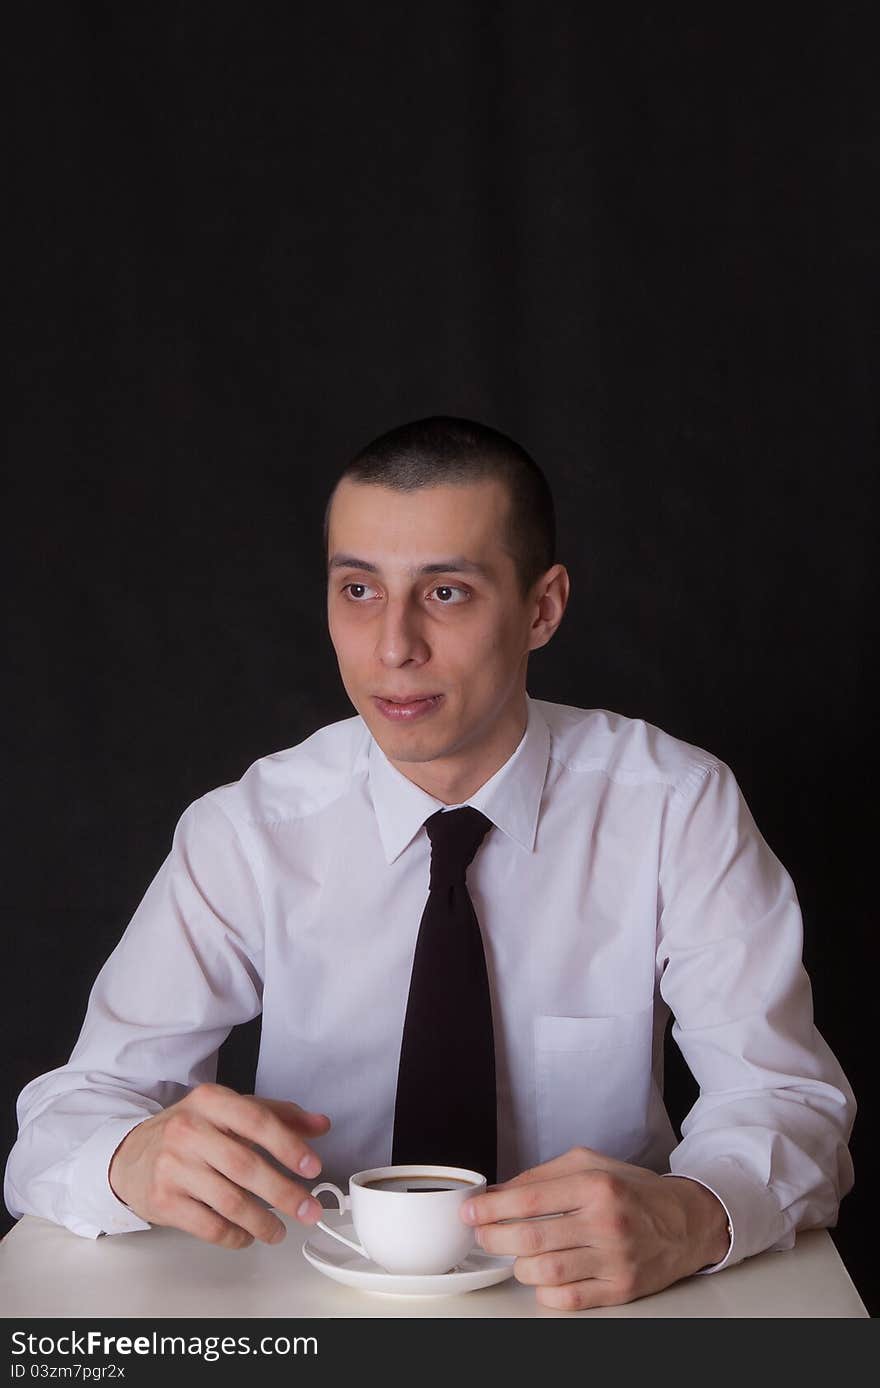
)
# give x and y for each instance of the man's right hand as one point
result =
(193, 1167)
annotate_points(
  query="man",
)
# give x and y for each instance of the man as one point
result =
(619, 875)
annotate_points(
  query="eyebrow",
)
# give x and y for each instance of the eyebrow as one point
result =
(442, 566)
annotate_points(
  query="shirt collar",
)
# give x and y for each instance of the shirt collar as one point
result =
(511, 798)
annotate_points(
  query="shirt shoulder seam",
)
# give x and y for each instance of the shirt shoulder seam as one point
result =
(693, 774)
(357, 771)
(265, 822)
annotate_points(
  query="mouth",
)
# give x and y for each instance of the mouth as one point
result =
(407, 708)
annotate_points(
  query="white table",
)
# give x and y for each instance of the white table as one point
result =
(45, 1271)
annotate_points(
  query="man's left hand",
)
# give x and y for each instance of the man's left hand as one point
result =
(592, 1231)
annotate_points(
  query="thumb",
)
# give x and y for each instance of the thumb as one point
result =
(575, 1159)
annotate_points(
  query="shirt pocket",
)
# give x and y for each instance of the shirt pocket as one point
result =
(593, 1080)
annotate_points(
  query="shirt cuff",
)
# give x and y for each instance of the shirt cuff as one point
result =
(754, 1220)
(94, 1207)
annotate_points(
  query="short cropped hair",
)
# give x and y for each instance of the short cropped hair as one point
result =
(442, 450)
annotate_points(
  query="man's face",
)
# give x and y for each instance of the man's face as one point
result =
(429, 626)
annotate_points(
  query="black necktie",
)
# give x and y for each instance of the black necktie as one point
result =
(445, 1110)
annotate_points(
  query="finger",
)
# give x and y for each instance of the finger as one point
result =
(532, 1236)
(527, 1201)
(303, 1120)
(288, 1111)
(234, 1204)
(247, 1170)
(257, 1121)
(204, 1223)
(584, 1295)
(558, 1268)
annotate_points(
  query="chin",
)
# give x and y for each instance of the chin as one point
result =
(413, 754)
(414, 748)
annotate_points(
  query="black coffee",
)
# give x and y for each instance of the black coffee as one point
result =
(413, 1185)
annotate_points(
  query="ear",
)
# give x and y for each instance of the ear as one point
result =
(549, 601)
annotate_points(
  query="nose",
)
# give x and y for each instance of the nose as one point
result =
(400, 639)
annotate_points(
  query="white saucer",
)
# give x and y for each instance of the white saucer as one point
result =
(479, 1269)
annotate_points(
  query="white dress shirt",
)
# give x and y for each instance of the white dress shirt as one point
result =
(624, 877)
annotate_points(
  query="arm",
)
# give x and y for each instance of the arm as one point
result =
(769, 1131)
(187, 969)
(765, 1144)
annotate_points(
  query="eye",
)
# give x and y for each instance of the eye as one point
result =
(357, 591)
(446, 595)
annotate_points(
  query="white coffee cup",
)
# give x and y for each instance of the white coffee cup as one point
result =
(408, 1217)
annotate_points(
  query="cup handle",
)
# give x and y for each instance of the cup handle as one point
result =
(344, 1203)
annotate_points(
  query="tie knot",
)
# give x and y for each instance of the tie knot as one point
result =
(455, 837)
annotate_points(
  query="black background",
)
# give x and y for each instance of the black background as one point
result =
(249, 239)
